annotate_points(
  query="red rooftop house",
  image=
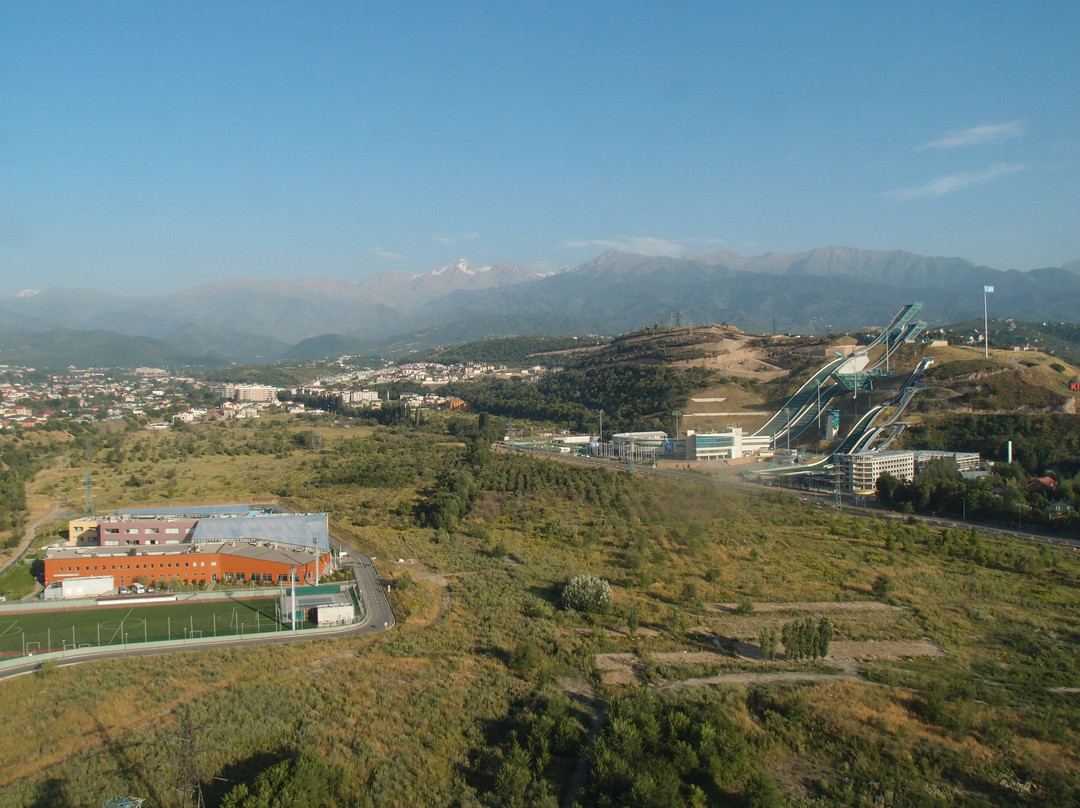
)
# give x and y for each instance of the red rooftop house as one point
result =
(1047, 486)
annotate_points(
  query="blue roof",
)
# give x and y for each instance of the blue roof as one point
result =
(304, 530)
(188, 510)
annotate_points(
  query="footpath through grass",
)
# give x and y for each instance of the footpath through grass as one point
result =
(116, 625)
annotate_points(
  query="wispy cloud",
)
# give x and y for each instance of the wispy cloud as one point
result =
(977, 136)
(441, 239)
(381, 253)
(642, 245)
(954, 182)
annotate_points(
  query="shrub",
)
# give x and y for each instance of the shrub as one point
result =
(587, 593)
(883, 586)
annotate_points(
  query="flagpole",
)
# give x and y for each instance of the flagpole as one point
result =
(986, 323)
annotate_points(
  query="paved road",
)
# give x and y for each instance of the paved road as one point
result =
(379, 616)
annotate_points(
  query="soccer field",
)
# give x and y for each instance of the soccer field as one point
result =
(126, 624)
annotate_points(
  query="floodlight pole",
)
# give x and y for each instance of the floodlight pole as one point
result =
(292, 582)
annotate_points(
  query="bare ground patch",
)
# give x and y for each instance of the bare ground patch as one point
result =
(626, 668)
(817, 607)
(883, 649)
(619, 669)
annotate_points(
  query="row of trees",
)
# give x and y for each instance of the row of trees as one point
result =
(802, 639)
(516, 476)
(631, 396)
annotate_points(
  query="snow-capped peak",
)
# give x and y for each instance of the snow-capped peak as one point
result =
(27, 293)
(463, 266)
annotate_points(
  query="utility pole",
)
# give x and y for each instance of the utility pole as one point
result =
(89, 484)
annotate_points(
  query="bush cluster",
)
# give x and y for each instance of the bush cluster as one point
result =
(587, 593)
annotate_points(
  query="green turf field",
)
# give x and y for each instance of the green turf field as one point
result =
(117, 625)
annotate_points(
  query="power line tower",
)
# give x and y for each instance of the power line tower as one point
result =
(89, 484)
(189, 777)
(837, 479)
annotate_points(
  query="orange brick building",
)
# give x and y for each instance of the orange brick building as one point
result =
(191, 564)
(194, 544)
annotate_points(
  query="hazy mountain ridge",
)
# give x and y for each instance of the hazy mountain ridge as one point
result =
(831, 288)
(289, 311)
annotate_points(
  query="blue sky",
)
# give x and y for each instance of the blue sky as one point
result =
(152, 146)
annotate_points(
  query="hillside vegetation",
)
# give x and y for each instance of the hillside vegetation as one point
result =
(487, 691)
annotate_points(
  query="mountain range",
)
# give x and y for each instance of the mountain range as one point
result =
(260, 321)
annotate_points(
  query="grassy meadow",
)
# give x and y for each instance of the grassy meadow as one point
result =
(488, 693)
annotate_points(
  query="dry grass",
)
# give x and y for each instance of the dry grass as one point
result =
(409, 713)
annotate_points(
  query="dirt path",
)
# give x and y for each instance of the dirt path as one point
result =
(42, 510)
(55, 511)
(582, 692)
(421, 572)
(817, 607)
(762, 678)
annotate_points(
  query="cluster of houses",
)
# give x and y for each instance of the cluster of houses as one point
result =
(427, 373)
(369, 399)
(28, 399)
(432, 374)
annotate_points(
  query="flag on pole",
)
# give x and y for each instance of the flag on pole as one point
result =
(987, 290)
